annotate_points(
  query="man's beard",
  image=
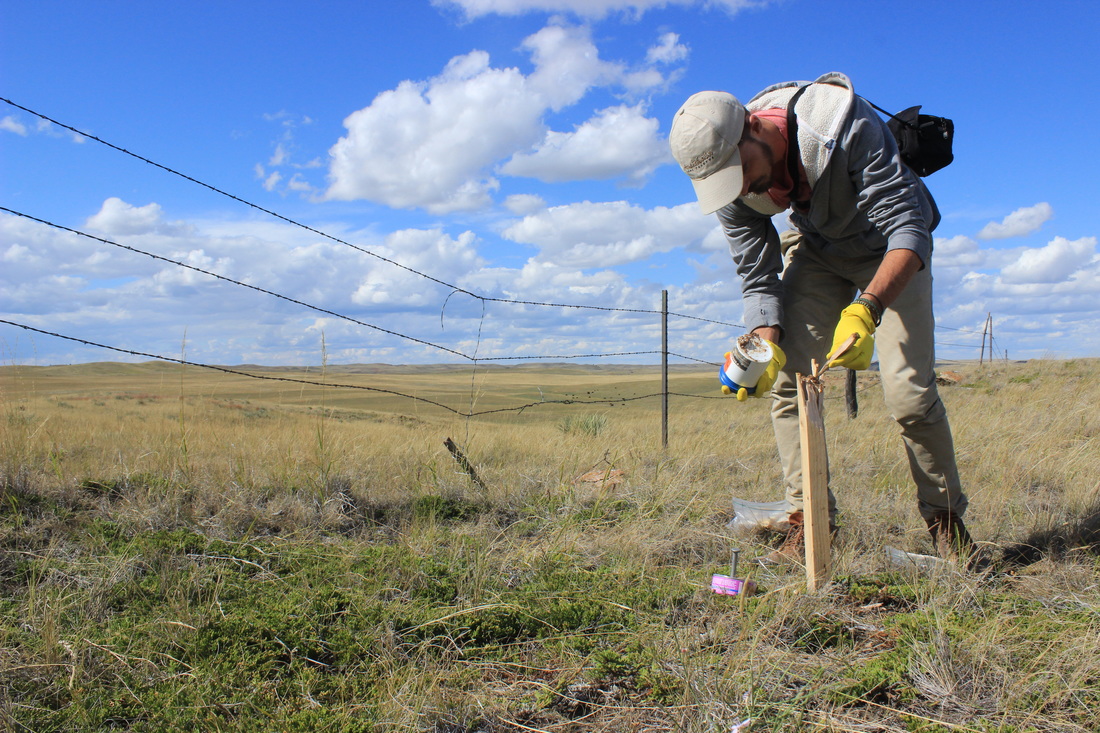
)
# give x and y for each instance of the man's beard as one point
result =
(763, 182)
(761, 185)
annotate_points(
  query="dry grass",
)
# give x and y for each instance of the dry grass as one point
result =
(188, 551)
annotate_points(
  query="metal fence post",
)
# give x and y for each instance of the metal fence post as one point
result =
(664, 369)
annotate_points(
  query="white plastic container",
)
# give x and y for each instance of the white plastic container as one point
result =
(747, 360)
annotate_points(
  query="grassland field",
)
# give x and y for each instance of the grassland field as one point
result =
(190, 550)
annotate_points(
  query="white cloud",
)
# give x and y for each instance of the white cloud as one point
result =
(545, 278)
(272, 180)
(299, 184)
(10, 124)
(523, 204)
(282, 156)
(116, 217)
(958, 251)
(668, 50)
(430, 251)
(15, 253)
(584, 8)
(617, 142)
(279, 157)
(1019, 223)
(638, 83)
(429, 144)
(587, 235)
(1056, 262)
(434, 144)
(567, 64)
(1043, 299)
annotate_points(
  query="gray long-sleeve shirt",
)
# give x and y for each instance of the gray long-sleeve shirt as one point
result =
(864, 200)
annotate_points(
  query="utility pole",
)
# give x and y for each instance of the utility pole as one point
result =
(985, 330)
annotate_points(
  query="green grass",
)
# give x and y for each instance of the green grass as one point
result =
(202, 553)
(590, 425)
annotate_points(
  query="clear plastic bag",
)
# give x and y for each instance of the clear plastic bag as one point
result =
(911, 560)
(749, 516)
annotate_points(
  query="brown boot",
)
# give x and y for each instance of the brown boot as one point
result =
(793, 549)
(949, 537)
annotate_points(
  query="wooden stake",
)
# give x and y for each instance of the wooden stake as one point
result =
(464, 464)
(815, 469)
(815, 481)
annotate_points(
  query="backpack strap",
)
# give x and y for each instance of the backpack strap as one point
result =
(794, 155)
(900, 121)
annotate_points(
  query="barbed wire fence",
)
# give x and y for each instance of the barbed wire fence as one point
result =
(472, 358)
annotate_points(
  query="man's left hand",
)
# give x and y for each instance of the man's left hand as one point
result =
(766, 381)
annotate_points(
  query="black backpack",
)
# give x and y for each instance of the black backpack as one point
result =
(924, 141)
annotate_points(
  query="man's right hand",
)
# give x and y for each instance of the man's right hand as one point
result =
(855, 320)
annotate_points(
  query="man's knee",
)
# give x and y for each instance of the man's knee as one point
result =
(917, 409)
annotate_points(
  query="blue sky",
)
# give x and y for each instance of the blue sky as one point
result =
(515, 149)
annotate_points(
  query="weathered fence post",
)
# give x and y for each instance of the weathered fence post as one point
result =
(664, 369)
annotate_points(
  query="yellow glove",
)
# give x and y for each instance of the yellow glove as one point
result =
(764, 384)
(767, 379)
(855, 319)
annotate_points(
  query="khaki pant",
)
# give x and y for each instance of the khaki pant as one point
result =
(817, 287)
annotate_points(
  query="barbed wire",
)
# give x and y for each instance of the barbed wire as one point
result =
(238, 199)
(319, 309)
(454, 288)
(464, 414)
(288, 220)
(215, 367)
(562, 356)
(707, 320)
(963, 330)
(318, 232)
(961, 346)
(234, 282)
(340, 385)
(356, 321)
(992, 341)
(692, 358)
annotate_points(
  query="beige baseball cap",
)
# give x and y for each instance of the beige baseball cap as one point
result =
(704, 138)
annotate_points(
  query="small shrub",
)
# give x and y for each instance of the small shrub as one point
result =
(444, 508)
(590, 425)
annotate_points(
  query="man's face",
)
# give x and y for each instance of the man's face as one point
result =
(757, 164)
